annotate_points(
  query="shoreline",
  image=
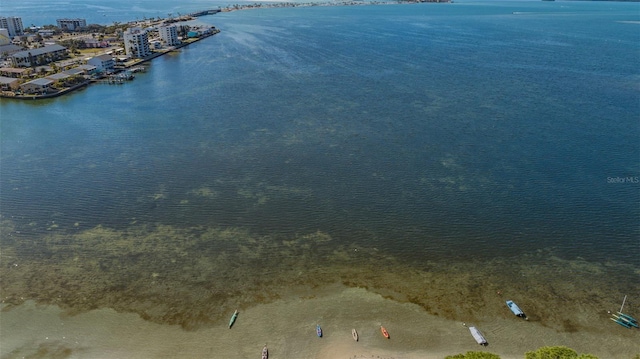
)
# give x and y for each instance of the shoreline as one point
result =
(277, 4)
(126, 66)
(192, 16)
(282, 289)
(287, 326)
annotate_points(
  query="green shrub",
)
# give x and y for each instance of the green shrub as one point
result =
(557, 353)
(474, 355)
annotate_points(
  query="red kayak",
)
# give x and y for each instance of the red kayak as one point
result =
(384, 332)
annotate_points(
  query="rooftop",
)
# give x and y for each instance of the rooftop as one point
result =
(40, 50)
(7, 80)
(41, 82)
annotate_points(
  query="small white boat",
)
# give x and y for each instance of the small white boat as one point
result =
(478, 336)
(265, 352)
(354, 334)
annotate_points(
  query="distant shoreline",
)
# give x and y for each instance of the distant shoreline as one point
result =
(326, 3)
(236, 7)
(130, 64)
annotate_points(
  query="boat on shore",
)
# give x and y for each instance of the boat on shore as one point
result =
(516, 310)
(475, 333)
(265, 352)
(318, 331)
(354, 334)
(384, 331)
(624, 320)
(233, 318)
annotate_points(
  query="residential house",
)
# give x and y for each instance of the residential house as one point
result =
(81, 70)
(9, 83)
(58, 76)
(103, 63)
(14, 72)
(37, 86)
(39, 56)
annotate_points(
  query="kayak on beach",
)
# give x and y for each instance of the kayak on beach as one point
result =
(385, 333)
(233, 318)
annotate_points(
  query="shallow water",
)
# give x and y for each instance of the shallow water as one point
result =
(396, 148)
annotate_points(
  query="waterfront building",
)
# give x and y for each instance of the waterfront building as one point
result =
(169, 34)
(13, 25)
(14, 72)
(9, 83)
(81, 70)
(58, 76)
(136, 42)
(39, 56)
(103, 63)
(71, 24)
(37, 86)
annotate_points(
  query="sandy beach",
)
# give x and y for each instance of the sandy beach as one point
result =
(287, 326)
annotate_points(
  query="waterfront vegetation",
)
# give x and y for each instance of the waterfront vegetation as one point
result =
(557, 352)
(554, 352)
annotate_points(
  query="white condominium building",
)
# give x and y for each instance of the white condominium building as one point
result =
(13, 25)
(169, 34)
(136, 42)
(71, 24)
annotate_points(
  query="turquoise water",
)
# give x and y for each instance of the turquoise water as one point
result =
(457, 130)
(451, 156)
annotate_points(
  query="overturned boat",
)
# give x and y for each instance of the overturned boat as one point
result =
(478, 336)
(516, 310)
